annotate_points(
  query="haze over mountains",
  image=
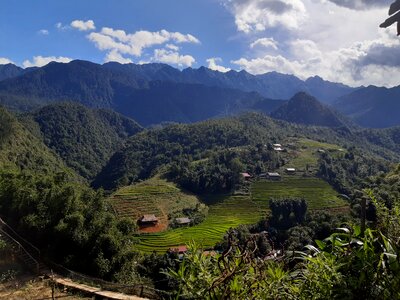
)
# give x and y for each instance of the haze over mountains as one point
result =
(156, 93)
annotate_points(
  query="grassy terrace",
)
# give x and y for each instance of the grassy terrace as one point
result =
(315, 191)
(153, 196)
(224, 212)
(157, 196)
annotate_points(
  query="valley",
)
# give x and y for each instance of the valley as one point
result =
(158, 165)
(246, 206)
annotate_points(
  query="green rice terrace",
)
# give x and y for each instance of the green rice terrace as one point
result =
(224, 212)
(159, 197)
(154, 196)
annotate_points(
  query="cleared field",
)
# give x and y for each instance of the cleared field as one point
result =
(307, 153)
(154, 196)
(225, 212)
(315, 191)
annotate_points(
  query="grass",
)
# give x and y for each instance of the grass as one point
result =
(307, 153)
(224, 212)
(315, 191)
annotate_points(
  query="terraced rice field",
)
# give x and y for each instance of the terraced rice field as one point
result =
(154, 196)
(230, 211)
(315, 191)
(225, 212)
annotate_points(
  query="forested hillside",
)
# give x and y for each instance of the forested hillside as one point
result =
(374, 107)
(84, 138)
(21, 150)
(147, 151)
(305, 109)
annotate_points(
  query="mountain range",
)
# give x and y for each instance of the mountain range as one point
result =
(156, 93)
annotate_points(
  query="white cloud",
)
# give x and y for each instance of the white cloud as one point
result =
(113, 55)
(61, 27)
(133, 44)
(83, 25)
(213, 64)
(120, 44)
(265, 43)
(340, 40)
(172, 47)
(259, 15)
(369, 62)
(43, 32)
(39, 61)
(362, 4)
(172, 57)
(4, 61)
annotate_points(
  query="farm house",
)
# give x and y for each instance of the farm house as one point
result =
(290, 170)
(182, 221)
(148, 220)
(246, 176)
(274, 176)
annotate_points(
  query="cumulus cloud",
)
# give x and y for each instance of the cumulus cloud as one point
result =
(83, 25)
(120, 44)
(362, 63)
(340, 40)
(113, 55)
(133, 44)
(43, 32)
(4, 61)
(265, 43)
(172, 57)
(259, 15)
(213, 64)
(362, 4)
(39, 61)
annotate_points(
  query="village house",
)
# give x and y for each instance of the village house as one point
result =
(182, 221)
(246, 176)
(290, 170)
(274, 176)
(148, 220)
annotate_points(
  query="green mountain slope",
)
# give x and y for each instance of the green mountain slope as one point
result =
(84, 138)
(21, 150)
(374, 107)
(151, 149)
(305, 109)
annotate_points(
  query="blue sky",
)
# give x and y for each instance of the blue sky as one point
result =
(339, 40)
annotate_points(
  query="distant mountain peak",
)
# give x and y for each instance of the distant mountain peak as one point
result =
(303, 108)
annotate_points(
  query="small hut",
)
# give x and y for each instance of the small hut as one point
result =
(274, 176)
(246, 176)
(290, 170)
(148, 220)
(182, 221)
